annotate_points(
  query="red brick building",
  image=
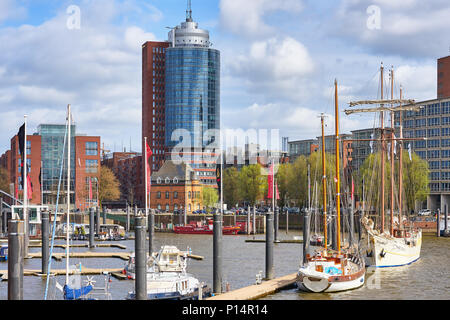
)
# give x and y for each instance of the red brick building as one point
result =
(443, 77)
(43, 156)
(153, 100)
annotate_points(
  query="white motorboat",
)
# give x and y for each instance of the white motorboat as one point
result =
(167, 277)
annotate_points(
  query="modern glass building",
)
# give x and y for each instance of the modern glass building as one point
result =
(52, 145)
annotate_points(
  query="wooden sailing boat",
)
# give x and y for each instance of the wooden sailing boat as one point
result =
(332, 270)
(401, 244)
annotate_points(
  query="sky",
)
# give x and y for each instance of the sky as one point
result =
(279, 60)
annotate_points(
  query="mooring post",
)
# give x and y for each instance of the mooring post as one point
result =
(151, 231)
(276, 221)
(254, 220)
(269, 245)
(91, 227)
(15, 259)
(140, 282)
(248, 220)
(306, 227)
(97, 226)
(45, 223)
(217, 253)
(438, 223)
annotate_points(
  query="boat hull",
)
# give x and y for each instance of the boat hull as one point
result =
(312, 283)
(200, 230)
(387, 252)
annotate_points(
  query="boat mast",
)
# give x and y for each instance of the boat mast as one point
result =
(338, 195)
(324, 184)
(392, 153)
(382, 152)
(68, 193)
(400, 167)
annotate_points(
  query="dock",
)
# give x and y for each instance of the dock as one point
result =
(258, 291)
(279, 241)
(60, 272)
(87, 254)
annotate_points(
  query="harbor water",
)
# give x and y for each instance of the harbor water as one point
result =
(427, 278)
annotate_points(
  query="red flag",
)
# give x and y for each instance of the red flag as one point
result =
(29, 188)
(270, 182)
(353, 189)
(149, 153)
(278, 195)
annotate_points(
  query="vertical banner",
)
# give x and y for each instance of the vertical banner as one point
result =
(270, 183)
(149, 153)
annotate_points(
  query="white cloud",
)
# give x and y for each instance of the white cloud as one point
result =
(135, 37)
(9, 9)
(246, 17)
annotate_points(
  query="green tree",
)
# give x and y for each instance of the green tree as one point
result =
(4, 180)
(109, 185)
(283, 177)
(230, 183)
(415, 179)
(251, 183)
(370, 174)
(298, 181)
(210, 197)
(316, 173)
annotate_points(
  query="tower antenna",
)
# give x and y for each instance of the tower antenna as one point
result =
(189, 12)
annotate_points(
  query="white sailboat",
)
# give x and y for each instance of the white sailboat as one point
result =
(332, 270)
(401, 244)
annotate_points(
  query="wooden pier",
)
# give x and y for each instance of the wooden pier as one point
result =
(258, 291)
(88, 254)
(60, 272)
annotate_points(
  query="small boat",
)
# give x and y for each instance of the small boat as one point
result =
(4, 253)
(201, 228)
(167, 278)
(111, 232)
(317, 240)
(326, 272)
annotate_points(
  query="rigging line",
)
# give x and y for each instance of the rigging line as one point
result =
(56, 212)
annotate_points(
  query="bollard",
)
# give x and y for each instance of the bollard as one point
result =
(15, 259)
(306, 227)
(104, 215)
(217, 253)
(151, 231)
(269, 245)
(91, 227)
(45, 240)
(438, 223)
(254, 220)
(248, 220)
(97, 226)
(140, 282)
(276, 221)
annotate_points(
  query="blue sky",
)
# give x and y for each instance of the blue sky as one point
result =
(279, 60)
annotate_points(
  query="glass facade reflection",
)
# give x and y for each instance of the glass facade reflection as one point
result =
(192, 93)
(52, 145)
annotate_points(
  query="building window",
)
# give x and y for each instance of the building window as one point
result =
(91, 166)
(167, 207)
(175, 207)
(91, 148)
(167, 180)
(158, 195)
(159, 178)
(175, 194)
(175, 180)
(189, 196)
(167, 195)
(159, 207)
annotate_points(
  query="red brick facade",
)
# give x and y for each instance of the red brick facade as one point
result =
(443, 78)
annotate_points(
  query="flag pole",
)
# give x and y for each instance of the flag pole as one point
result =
(146, 178)
(25, 189)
